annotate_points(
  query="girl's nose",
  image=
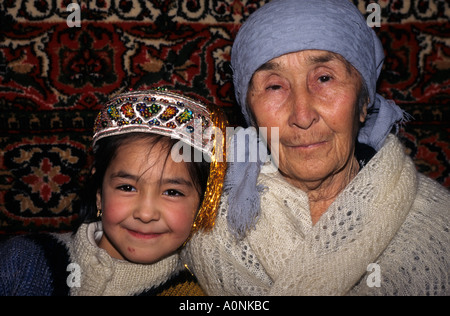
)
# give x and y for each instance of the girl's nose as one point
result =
(147, 211)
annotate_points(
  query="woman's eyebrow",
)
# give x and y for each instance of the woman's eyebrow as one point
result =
(321, 59)
(270, 65)
(327, 57)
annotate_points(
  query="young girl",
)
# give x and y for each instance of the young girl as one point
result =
(140, 206)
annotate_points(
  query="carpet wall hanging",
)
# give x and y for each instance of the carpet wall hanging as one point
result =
(53, 79)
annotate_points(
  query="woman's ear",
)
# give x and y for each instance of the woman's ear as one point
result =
(363, 112)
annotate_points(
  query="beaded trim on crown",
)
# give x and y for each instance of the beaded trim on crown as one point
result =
(171, 114)
(156, 111)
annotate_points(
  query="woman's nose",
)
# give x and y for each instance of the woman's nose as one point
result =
(303, 113)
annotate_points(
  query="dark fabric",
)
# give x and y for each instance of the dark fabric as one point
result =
(363, 153)
(36, 265)
(33, 265)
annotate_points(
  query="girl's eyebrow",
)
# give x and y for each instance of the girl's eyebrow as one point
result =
(178, 181)
(124, 174)
(174, 180)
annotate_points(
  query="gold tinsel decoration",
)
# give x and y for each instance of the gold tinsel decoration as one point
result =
(206, 216)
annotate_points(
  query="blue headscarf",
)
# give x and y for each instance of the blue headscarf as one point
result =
(287, 26)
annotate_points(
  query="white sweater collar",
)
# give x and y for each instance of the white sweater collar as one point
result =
(103, 275)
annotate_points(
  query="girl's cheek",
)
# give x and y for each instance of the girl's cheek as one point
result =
(114, 212)
(181, 222)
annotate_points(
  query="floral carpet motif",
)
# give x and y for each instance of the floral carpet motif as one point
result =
(54, 78)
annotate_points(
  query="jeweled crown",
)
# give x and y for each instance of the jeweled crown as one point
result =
(157, 111)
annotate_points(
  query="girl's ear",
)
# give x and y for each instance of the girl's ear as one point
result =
(99, 199)
(98, 195)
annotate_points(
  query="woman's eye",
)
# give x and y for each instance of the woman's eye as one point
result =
(324, 79)
(127, 188)
(173, 192)
(274, 87)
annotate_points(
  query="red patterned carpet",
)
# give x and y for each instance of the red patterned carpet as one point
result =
(53, 79)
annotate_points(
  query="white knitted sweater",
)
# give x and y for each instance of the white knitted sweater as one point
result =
(102, 275)
(388, 215)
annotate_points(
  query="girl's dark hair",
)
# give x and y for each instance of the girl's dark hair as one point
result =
(104, 152)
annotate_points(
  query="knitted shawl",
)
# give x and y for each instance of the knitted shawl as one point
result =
(389, 215)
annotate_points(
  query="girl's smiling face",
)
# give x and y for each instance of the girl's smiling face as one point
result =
(149, 203)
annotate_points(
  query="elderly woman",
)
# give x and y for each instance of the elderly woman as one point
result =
(346, 213)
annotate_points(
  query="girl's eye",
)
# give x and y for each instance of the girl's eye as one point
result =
(172, 192)
(127, 188)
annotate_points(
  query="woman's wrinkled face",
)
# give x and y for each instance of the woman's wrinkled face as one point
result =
(312, 97)
(149, 203)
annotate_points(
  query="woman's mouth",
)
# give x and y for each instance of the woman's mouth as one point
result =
(312, 145)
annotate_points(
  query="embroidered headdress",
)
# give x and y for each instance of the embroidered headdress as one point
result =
(168, 113)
